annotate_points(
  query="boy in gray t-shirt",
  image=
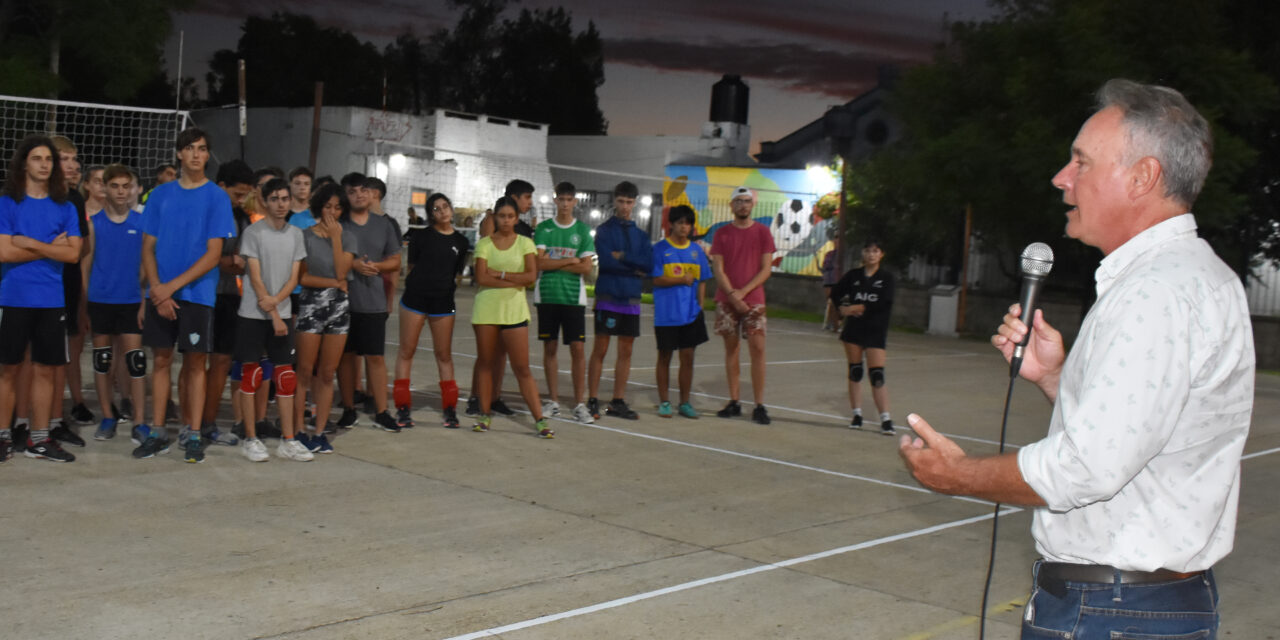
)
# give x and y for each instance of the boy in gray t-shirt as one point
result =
(273, 251)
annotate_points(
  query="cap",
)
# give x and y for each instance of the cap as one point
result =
(743, 191)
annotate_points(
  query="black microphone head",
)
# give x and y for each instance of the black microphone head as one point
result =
(1037, 260)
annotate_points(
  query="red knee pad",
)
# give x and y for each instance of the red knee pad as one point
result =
(250, 377)
(400, 393)
(449, 393)
(286, 381)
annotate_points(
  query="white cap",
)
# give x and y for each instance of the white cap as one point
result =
(743, 191)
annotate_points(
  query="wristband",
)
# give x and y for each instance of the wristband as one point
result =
(503, 276)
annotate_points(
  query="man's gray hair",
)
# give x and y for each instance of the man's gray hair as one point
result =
(1163, 125)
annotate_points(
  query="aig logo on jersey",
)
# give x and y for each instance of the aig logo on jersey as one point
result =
(866, 297)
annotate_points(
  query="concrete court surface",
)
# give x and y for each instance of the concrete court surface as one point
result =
(659, 528)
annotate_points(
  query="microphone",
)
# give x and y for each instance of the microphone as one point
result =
(1037, 261)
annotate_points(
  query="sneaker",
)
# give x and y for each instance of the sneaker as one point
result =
(731, 410)
(268, 429)
(6, 449)
(593, 407)
(305, 440)
(126, 409)
(212, 435)
(760, 416)
(688, 411)
(20, 435)
(321, 444)
(664, 410)
(499, 406)
(473, 406)
(255, 450)
(582, 414)
(551, 409)
(193, 450)
(886, 427)
(81, 414)
(106, 430)
(482, 424)
(294, 450)
(151, 447)
(349, 418)
(63, 433)
(856, 423)
(403, 418)
(386, 422)
(369, 406)
(543, 431)
(171, 413)
(49, 449)
(330, 428)
(115, 413)
(451, 418)
(359, 397)
(237, 429)
(139, 434)
(618, 408)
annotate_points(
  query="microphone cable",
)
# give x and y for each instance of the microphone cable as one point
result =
(995, 516)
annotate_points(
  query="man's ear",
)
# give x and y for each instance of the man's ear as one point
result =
(1145, 176)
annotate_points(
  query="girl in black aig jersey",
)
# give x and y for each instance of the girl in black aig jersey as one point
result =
(864, 298)
(438, 254)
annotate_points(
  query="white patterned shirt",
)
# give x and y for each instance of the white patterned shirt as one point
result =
(1141, 466)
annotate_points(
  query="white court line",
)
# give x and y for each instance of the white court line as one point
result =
(1258, 454)
(613, 604)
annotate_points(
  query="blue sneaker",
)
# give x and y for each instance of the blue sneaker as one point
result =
(688, 411)
(664, 410)
(306, 441)
(321, 444)
(139, 433)
(193, 449)
(106, 430)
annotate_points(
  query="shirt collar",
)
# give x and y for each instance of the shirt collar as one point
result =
(1115, 264)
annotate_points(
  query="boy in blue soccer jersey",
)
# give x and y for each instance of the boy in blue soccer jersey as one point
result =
(679, 270)
(184, 226)
(39, 233)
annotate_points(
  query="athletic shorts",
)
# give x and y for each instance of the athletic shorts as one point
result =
(612, 323)
(323, 311)
(113, 319)
(571, 317)
(431, 306)
(256, 337)
(859, 333)
(71, 291)
(44, 330)
(226, 311)
(192, 332)
(368, 334)
(730, 322)
(682, 337)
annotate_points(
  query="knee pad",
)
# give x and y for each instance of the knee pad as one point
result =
(286, 381)
(236, 367)
(102, 360)
(250, 377)
(877, 376)
(268, 369)
(136, 361)
(400, 393)
(855, 372)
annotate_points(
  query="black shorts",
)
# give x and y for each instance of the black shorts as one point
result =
(255, 337)
(867, 337)
(192, 332)
(553, 317)
(682, 337)
(368, 334)
(612, 323)
(225, 318)
(72, 289)
(113, 319)
(424, 305)
(44, 330)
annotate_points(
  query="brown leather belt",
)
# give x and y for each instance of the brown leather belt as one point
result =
(1052, 574)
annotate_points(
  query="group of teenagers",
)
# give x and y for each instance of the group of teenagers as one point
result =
(280, 285)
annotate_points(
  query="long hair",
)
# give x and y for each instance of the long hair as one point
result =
(321, 197)
(431, 203)
(15, 183)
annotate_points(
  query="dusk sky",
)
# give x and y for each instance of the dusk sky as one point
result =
(798, 57)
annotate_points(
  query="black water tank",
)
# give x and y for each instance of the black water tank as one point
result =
(729, 99)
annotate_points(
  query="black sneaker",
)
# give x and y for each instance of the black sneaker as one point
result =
(151, 447)
(451, 418)
(856, 423)
(369, 406)
(49, 449)
(330, 428)
(115, 413)
(126, 409)
(359, 397)
(82, 415)
(499, 406)
(171, 414)
(886, 427)
(386, 422)
(473, 406)
(63, 433)
(759, 415)
(403, 418)
(731, 410)
(193, 449)
(267, 429)
(20, 435)
(237, 430)
(593, 405)
(6, 449)
(618, 408)
(349, 418)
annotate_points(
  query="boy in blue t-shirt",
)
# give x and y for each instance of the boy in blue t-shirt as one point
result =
(185, 224)
(39, 233)
(679, 270)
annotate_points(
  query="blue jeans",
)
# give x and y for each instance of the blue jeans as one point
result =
(1178, 610)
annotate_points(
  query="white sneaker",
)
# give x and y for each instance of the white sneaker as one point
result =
(582, 414)
(254, 450)
(551, 409)
(293, 450)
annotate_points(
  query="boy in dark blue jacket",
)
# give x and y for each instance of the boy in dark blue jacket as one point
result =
(626, 256)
